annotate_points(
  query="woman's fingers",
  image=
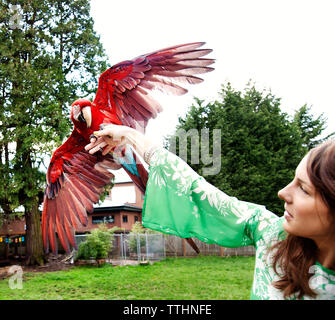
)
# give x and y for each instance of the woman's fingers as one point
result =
(94, 142)
(96, 146)
(102, 144)
(107, 139)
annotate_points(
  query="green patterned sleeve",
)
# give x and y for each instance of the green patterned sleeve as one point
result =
(180, 202)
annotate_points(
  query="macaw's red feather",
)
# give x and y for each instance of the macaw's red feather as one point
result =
(70, 194)
(122, 89)
(73, 144)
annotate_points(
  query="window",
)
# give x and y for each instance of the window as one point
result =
(136, 218)
(125, 218)
(102, 219)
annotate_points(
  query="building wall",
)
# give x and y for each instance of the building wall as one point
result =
(132, 194)
(130, 219)
(118, 220)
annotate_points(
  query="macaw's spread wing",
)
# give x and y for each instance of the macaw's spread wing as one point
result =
(75, 181)
(123, 88)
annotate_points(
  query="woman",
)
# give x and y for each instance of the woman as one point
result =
(295, 254)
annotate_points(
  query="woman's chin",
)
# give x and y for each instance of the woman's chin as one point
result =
(287, 226)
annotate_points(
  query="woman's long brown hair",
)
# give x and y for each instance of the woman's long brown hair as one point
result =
(295, 255)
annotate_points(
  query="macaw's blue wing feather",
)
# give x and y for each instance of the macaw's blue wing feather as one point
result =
(134, 165)
(128, 160)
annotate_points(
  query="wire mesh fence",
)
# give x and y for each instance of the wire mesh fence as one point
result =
(139, 247)
(155, 247)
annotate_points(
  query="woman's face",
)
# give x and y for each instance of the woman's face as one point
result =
(306, 214)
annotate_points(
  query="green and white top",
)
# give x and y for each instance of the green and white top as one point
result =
(180, 202)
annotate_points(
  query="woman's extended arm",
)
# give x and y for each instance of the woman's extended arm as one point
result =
(178, 201)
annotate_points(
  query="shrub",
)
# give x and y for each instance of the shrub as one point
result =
(97, 245)
(138, 231)
(133, 236)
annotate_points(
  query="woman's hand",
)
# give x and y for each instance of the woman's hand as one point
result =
(113, 136)
(108, 139)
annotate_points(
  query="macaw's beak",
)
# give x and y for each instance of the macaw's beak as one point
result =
(87, 114)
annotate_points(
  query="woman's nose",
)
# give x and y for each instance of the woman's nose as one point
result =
(285, 194)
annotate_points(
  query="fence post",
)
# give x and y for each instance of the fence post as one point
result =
(164, 249)
(184, 247)
(138, 239)
(146, 244)
(121, 245)
(125, 246)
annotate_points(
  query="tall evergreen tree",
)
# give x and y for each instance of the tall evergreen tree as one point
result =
(310, 127)
(260, 146)
(50, 55)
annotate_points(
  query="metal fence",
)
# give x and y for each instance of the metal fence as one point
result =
(139, 247)
(155, 247)
(142, 246)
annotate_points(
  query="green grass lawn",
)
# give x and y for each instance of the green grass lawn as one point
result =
(200, 278)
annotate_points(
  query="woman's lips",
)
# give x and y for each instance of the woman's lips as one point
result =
(287, 215)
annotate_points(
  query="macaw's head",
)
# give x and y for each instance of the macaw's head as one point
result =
(81, 113)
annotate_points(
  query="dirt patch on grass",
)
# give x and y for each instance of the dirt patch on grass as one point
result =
(54, 263)
(58, 263)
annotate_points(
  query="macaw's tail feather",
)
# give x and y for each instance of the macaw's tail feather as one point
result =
(193, 245)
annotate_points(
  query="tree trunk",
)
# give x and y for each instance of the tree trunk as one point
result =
(34, 246)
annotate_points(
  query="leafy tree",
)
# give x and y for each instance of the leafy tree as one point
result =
(49, 56)
(259, 145)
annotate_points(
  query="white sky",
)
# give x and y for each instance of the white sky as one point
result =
(285, 46)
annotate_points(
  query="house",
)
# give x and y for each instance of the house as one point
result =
(121, 208)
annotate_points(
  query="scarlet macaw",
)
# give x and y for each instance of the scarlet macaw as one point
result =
(75, 178)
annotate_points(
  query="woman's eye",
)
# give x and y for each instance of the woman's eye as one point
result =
(303, 190)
